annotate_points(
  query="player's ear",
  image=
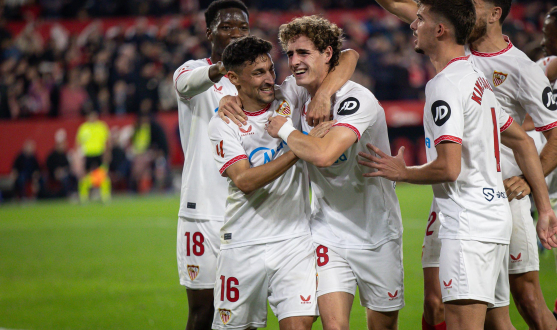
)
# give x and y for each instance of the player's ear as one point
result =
(209, 34)
(328, 53)
(233, 77)
(495, 15)
(440, 30)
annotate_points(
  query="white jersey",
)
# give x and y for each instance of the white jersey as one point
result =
(551, 179)
(277, 211)
(520, 87)
(348, 210)
(204, 191)
(460, 107)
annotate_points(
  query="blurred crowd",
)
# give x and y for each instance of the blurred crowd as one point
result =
(129, 70)
(130, 158)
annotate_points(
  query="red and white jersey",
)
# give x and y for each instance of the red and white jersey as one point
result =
(277, 211)
(204, 191)
(520, 87)
(461, 107)
(348, 210)
(551, 179)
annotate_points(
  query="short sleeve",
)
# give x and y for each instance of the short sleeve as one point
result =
(356, 111)
(503, 119)
(536, 97)
(446, 113)
(227, 148)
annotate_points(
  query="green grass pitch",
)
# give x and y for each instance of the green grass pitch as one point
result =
(65, 266)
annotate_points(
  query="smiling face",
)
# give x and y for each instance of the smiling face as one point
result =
(424, 30)
(549, 41)
(308, 65)
(256, 80)
(230, 24)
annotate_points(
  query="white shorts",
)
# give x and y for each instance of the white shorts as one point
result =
(378, 273)
(432, 244)
(282, 272)
(197, 249)
(474, 270)
(523, 249)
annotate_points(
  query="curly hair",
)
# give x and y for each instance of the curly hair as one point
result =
(244, 51)
(460, 13)
(215, 6)
(319, 30)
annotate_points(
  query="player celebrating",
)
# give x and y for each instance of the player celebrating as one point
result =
(200, 85)
(266, 246)
(462, 120)
(520, 88)
(355, 221)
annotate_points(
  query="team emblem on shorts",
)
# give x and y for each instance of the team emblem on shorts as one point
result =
(516, 259)
(193, 271)
(284, 109)
(499, 78)
(225, 315)
(393, 296)
(305, 300)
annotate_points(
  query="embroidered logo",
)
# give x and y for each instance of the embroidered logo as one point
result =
(499, 78)
(193, 271)
(225, 315)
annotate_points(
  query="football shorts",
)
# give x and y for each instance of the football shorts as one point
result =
(432, 244)
(197, 249)
(281, 272)
(378, 273)
(474, 270)
(523, 249)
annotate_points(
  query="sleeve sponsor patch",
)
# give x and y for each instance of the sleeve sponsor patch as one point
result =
(548, 99)
(348, 106)
(441, 112)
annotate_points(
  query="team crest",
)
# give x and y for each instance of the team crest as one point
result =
(284, 109)
(225, 315)
(193, 271)
(499, 78)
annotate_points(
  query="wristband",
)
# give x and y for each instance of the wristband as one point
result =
(286, 130)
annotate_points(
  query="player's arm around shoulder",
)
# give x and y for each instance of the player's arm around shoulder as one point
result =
(193, 78)
(404, 9)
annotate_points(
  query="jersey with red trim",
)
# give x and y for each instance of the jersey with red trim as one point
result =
(204, 191)
(520, 87)
(460, 107)
(348, 210)
(551, 179)
(277, 211)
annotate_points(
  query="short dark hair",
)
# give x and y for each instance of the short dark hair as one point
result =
(215, 6)
(505, 6)
(317, 29)
(244, 51)
(460, 13)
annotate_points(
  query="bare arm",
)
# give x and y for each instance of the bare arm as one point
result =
(548, 156)
(319, 108)
(551, 70)
(248, 179)
(527, 159)
(404, 9)
(320, 152)
(445, 168)
(216, 71)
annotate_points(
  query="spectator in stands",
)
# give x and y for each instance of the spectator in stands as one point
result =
(73, 95)
(26, 172)
(120, 166)
(93, 139)
(60, 181)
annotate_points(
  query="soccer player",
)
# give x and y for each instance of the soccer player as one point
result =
(266, 250)
(200, 84)
(462, 121)
(521, 88)
(355, 222)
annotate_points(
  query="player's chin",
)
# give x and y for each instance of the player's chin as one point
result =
(266, 97)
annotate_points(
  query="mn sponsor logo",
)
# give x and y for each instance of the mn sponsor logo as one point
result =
(246, 131)
(499, 78)
(518, 258)
(225, 315)
(441, 112)
(393, 296)
(284, 109)
(448, 285)
(193, 271)
(218, 89)
(305, 300)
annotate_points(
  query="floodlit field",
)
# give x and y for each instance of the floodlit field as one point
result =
(65, 266)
